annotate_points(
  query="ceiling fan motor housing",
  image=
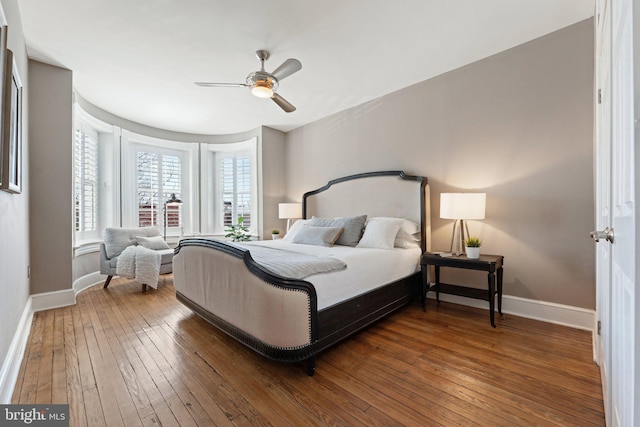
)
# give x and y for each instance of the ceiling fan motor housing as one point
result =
(262, 79)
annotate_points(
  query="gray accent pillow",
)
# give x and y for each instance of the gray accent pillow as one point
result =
(319, 236)
(353, 227)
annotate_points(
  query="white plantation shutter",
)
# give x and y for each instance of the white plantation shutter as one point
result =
(235, 189)
(172, 184)
(159, 176)
(243, 188)
(147, 189)
(86, 182)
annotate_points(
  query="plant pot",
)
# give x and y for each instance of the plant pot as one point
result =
(472, 253)
(275, 236)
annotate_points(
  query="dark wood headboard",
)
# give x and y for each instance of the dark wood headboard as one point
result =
(384, 193)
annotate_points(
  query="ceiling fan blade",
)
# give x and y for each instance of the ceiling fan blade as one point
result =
(287, 68)
(283, 103)
(210, 84)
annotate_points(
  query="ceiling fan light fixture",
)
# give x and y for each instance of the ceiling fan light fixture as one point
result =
(262, 89)
(264, 84)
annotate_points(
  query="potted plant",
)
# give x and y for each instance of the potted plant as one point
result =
(472, 247)
(275, 234)
(238, 232)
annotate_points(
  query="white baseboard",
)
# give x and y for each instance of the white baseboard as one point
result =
(13, 360)
(574, 317)
(56, 299)
(87, 281)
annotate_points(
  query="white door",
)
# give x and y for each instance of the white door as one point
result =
(615, 212)
(603, 194)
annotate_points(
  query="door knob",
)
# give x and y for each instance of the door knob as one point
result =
(606, 234)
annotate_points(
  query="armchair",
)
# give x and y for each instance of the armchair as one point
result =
(117, 239)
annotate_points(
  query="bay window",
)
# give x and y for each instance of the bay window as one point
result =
(123, 179)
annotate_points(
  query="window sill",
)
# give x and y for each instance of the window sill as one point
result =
(87, 247)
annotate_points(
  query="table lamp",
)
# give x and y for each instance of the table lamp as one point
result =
(289, 211)
(173, 201)
(461, 207)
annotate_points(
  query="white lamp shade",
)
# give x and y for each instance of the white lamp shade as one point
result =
(462, 205)
(289, 210)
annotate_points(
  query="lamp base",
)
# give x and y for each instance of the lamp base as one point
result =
(458, 235)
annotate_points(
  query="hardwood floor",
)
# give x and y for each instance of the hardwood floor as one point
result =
(120, 357)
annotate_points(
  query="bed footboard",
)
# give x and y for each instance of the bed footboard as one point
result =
(275, 316)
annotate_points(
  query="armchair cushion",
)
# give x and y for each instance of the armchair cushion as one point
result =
(117, 239)
(166, 258)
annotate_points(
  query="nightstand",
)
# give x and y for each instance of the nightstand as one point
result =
(492, 264)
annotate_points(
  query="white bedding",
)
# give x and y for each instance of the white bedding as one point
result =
(367, 268)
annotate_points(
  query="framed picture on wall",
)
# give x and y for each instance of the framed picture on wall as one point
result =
(3, 60)
(12, 128)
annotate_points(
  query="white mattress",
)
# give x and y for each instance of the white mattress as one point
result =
(367, 269)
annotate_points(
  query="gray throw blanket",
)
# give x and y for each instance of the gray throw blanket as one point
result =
(292, 264)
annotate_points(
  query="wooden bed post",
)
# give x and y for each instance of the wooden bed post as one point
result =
(311, 365)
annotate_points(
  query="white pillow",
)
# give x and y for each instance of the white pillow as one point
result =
(380, 233)
(295, 228)
(319, 236)
(408, 235)
(156, 242)
(409, 230)
(405, 244)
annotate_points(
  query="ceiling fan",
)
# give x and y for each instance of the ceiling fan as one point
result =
(264, 84)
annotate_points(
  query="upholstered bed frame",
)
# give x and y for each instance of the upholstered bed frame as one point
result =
(279, 317)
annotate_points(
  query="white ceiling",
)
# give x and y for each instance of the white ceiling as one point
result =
(138, 59)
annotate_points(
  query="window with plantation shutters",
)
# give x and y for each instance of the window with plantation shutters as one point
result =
(86, 182)
(234, 177)
(230, 186)
(148, 187)
(159, 175)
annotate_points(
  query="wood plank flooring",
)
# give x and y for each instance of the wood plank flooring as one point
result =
(120, 357)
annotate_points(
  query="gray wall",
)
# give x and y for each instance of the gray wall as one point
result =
(517, 125)
(14, 214)
(51, 198)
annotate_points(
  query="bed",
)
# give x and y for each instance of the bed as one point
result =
(291, 319)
